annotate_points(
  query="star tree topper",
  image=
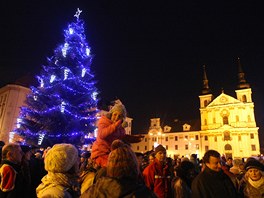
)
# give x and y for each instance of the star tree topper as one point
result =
(78, 13)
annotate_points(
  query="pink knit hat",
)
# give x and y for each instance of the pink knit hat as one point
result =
(61, 158)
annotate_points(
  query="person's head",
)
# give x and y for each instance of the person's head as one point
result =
(118, 112)
(27, 150)
(212, 160)
(151, 157)
(85, 155)
(62, 158)
(12, 152)
(229, 161)
(160, 153)
(122, 161)
(140, 157)
(254, 169)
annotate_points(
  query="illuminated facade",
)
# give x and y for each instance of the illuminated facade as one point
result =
(227, 125)
(12, 97)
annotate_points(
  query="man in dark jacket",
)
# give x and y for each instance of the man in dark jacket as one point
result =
(11, 179)
(212, 181)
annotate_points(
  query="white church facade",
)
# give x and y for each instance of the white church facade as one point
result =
(227, 124)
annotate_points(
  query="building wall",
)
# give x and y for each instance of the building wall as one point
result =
(12, 97)
(227, 125)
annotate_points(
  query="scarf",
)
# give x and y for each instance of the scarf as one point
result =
(69, 182)
(256, 184)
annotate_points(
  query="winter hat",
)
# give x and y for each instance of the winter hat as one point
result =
(61, 158)
(253, 163)
(119, 107)
(160, 148)
(122, 161)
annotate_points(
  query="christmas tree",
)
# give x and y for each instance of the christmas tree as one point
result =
(63, 107)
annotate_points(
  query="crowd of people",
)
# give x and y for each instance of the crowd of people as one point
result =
(112, 169)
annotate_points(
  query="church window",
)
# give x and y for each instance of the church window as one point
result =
(251, 135)
(176, 147)
(215, 138)
(239, 137)
(205, 122)
(237, 118)
(253, 147)
(166, 138)
(227, 136)
(244, 98)
(196, 137)
(205, 103)
(206, 148)
(249, 118)
(228, 147)
(186, 146)
(176, 138)
(205, 137)
(225, 120)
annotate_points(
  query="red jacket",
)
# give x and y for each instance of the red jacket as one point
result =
(158, 179)
(107, 133)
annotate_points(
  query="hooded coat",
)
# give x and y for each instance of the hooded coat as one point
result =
(115, 188)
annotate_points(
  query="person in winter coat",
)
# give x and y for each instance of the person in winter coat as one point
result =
(157, 175)
(62, 163)
(12, 180)
(212, 181)
(252, 184)
(110, 127)
(122, 176)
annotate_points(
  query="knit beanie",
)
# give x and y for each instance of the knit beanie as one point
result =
(61, 158)
(122, 161)
(253, 163)
(119, 107)
(160, 148)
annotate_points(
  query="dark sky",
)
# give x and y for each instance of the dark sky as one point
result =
(147, 53)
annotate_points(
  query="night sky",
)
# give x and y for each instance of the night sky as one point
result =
(149, 54)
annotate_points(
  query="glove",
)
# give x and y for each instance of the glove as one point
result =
(124, 124)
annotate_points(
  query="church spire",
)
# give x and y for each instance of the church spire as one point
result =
(206, 89)
(242, 84)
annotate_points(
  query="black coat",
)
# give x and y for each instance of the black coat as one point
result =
(212, 184)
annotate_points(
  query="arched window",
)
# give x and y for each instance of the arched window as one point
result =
(228, 147)
(244, 98)
(225, 120)
(205, 103)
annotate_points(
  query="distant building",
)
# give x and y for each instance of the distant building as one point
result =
(12, 97)
(227, 124)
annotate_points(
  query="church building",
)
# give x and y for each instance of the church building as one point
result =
(227, 124)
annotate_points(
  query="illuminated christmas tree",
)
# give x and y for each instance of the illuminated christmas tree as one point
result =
(63, 107)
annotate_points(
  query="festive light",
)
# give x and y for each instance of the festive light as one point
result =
(40, 139)
(52, 78)
(65, 103)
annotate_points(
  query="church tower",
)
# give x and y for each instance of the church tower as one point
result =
(243, 91)
(206, 97)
